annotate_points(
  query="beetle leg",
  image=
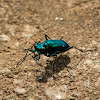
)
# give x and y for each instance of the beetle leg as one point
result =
(22, 60)
(38, 56)
(53, 66)
(82, 56)
(67, 68)
(46, 36)
(32, 45)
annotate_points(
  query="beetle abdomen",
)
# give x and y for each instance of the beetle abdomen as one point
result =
(57, 46)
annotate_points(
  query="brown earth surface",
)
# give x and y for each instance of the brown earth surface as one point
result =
(23, 22)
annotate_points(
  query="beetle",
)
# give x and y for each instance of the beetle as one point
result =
(49, 48)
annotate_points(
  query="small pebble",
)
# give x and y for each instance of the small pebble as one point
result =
(96, 54)
(87, 83)
(66, 32)
(45, 58)
(6, 70)
(19, 90)
(97, 83)
(5, 37)
(56, 18)
(61, 18)
(88, 61)
(16, 44)
(11, 29)
(64, 88)
(55, 94)
(31, 99)
(17, 81)
(26, 35)
(32, 62)
(94, 42)
(75, 94)
(30, 29)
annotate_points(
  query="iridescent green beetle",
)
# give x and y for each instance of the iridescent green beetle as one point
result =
(49, 48)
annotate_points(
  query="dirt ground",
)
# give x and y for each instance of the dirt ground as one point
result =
(23, 22)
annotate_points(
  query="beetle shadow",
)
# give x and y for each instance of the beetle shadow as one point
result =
(58, 66)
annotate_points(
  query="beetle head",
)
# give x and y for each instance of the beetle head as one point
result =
(38, 47)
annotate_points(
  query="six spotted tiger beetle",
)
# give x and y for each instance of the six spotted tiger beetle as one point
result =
(50, 48)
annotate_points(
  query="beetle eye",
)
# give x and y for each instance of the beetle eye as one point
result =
(36, 42)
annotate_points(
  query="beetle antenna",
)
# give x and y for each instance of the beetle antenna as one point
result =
(32, 45)
(22, 60)
(83, 50)
(46, 36)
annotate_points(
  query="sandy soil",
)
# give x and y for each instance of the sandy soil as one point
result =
(23, 22)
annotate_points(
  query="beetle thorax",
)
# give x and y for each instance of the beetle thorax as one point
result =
(38, 47)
